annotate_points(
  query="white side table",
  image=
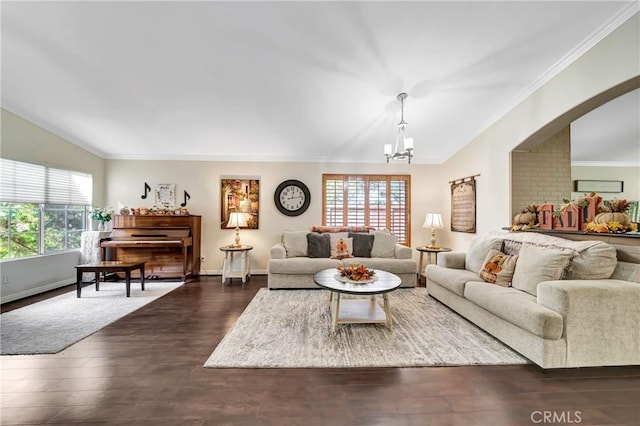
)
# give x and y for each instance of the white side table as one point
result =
(237, 263)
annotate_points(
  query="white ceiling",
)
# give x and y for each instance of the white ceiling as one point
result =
(285, 81)
(609, 134)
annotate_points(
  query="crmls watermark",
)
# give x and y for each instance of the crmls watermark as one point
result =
(551, 417)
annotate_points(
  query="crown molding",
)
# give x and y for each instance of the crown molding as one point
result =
(594, 38)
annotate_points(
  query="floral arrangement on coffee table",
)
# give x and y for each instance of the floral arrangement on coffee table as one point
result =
(356, 272)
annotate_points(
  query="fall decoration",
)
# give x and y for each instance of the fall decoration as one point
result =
(612, 227)
(616, 205)
(588, 213)
(526, 219)
(356, 272)
(160, 211)
(607, 217)
(545, 216)
(528, 215)
(614, 211)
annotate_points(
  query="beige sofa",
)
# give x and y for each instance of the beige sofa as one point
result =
(290, 266)
(588, 315)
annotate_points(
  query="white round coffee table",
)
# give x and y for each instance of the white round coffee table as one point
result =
(358, 311)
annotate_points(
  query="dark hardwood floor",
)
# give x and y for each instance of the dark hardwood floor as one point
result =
(146, 369)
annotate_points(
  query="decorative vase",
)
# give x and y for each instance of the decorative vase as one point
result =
(102, 226)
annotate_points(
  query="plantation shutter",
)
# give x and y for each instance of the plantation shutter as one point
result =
(31, 183)
(398, 209)
(355, 201)
(333, 202)
(378, 201)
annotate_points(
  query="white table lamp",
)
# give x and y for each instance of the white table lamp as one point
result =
(236, 220)
(433, 221)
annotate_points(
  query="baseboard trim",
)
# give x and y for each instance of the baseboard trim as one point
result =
(36, 290)
(217, 272)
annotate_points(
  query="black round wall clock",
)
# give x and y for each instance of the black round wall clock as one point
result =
(292, 197)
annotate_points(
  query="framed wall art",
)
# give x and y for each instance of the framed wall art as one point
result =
(240, 194)
(166, 195)
(463, 204)
(598, 186)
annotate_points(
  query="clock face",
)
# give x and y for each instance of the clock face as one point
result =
(292, 197)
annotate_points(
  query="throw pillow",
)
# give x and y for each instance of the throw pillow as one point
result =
(537, 264)
(295, 243)
(318, 245)
(362, 244)
(384, 245)
(627, 271)
(511, 247)
(341, 248)
(498, 268)
(477, 252)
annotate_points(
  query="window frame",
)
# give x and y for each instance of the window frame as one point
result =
(367, 179)
(41, 228)
(64, 194)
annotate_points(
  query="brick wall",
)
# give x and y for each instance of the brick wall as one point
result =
(543, 173)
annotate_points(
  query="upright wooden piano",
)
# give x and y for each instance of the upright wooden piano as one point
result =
(169, 245)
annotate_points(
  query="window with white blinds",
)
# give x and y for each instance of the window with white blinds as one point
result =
(379, 201)
(42, 209)
(30, 183)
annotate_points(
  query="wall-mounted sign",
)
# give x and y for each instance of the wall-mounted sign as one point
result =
(463, 204)
(166, 195)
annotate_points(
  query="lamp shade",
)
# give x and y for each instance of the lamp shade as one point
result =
(236, 219)
(408, 143)
(433, 220)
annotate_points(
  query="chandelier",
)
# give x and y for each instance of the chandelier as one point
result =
(404, 146)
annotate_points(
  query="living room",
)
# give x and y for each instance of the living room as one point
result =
(605, 71)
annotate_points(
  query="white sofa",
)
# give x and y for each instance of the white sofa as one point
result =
(587, 316)
(290, 266)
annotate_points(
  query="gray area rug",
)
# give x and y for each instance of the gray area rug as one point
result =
(292, 329)
(49, 326)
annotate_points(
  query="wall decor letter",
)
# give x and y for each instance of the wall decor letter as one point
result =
(186, 197)
(147, 189)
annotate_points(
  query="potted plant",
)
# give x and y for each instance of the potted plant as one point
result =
(103, 216)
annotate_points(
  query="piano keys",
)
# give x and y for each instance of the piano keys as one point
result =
(169, 245)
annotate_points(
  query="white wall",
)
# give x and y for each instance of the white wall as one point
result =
(24, 141)
(629, 175)
(611, 62)
(34, 275)
(201, 179)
